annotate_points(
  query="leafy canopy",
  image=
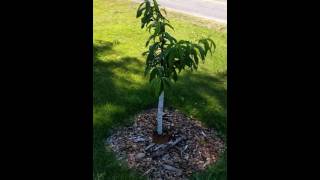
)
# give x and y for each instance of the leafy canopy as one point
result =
(166, 55)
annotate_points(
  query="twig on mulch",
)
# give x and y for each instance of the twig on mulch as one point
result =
(192, 146)
(165, 147)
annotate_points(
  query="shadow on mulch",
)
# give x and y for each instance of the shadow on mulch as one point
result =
(191, 148)
(193, 94)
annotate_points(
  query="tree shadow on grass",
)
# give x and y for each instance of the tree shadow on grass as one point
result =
(115, 99)
(203, 97)
(118, 96)
(108, 87)
(102, 47)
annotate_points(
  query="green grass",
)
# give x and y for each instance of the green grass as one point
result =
(121, 90)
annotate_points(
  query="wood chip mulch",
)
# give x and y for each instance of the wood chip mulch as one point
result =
(192, 147)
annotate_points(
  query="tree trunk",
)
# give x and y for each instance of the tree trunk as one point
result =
(160, 113)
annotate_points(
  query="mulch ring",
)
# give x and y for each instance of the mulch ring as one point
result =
(191, 146)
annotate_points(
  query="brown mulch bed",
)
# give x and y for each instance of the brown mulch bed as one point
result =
(191, 147)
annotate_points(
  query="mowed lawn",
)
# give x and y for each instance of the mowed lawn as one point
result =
(121, 90)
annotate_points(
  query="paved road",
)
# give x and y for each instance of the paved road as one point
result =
(210, 9)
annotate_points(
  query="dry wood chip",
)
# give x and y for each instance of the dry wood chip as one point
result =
(193, 147)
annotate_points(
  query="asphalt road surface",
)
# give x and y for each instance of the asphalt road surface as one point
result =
(209, 9)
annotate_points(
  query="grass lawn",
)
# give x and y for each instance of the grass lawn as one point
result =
(121, 90)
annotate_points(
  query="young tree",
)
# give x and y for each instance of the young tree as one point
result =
(166, 55)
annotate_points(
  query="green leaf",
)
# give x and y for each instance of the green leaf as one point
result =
(153, 73)
(172, 54)
(206, 45)
(155, 4)
(213, 45)
(170, 38)
(147, 7)
(180, 52)
(154, 47)
(165, 12)
(162, 28)
(141, 4)
(201, 51)
(174, 75)
(157, 29)
(145, 53)
(156, 85)
(195, 66)
(139, 12)
(151, 52)
(149, 59)
(160, 71)
(143, 21)
(148, 18)
(146, 70)
(151, 37)
(166, 82)
(168, 50)
(151, 26)
(167, 24)
(195, 56)
(167, 56)
(188, 61)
